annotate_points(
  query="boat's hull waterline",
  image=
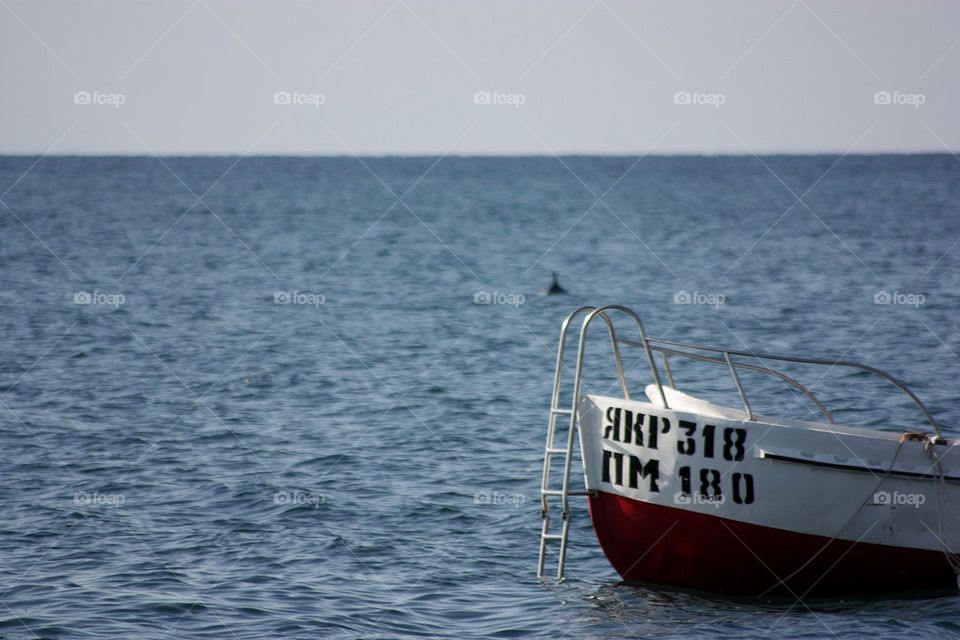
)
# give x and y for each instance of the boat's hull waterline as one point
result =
(694, 495)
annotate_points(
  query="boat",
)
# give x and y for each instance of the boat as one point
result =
(686, 493)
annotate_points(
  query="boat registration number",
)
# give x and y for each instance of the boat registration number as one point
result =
(697, 448)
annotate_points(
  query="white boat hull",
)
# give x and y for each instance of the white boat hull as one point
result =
(698, 496)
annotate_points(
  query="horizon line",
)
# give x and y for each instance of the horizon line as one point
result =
(573, 154)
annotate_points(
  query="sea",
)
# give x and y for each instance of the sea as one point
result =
(307, 397)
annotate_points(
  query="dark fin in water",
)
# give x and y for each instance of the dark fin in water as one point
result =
(555, 288)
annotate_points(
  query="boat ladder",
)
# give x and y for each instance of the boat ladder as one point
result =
(565, 453)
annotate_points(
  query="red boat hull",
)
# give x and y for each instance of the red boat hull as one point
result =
(664, 545)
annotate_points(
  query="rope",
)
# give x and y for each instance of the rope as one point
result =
(941, 484)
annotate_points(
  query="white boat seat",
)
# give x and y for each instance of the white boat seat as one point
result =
(680, 401)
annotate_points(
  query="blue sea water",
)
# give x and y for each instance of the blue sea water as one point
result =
(185, 456)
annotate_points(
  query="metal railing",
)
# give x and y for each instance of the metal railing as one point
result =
(683, 349)
(726, 357)
(667, 352)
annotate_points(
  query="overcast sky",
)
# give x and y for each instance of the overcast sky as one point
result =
(491, 77)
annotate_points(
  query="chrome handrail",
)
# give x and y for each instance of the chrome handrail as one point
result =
(740, 365)
(644, 342)
(650, 343)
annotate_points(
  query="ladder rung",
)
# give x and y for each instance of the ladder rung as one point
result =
(556, 450)
(552, 536)
(563, 411)
(559, 492)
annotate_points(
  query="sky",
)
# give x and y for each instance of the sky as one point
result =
(540, 77)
